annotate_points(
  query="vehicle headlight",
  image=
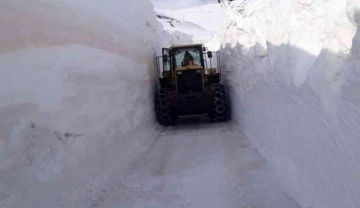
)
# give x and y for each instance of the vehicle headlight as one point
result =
(179, 73)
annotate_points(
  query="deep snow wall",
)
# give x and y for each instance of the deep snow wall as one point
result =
(75, 85)
(293, 71)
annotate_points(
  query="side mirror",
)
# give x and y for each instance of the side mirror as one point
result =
(165, 59)
(209, 54)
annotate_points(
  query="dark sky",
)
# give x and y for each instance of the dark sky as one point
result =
(179, 4)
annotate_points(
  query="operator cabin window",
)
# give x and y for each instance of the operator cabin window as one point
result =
(183, 55)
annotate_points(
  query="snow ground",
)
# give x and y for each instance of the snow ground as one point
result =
(293, 70)
(76, 118)
(202, 24)
(77, 125)
(209, 17)
(185, 31)
(201, 164)
(192, 165)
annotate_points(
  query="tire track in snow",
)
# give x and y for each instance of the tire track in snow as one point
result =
(194, 164)
(204, 165)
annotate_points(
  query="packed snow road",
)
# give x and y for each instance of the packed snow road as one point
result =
(194, 164)
(199, 164)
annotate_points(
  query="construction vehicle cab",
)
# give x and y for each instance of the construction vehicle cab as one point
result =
(189, 84)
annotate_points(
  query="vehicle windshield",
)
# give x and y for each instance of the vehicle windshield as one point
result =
(187, 56)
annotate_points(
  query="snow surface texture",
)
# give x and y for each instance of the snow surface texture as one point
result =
(77, 125)
(202, 164)
(293, 68)
(76, 80)
(202, 24)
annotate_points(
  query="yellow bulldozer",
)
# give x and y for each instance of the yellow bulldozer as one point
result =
(188, 84)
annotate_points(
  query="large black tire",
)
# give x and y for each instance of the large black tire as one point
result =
(163, 111)
(218, 107)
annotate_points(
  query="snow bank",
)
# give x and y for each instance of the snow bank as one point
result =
(209, 17)
(75, 90)
(201, 24)
(293, 68)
